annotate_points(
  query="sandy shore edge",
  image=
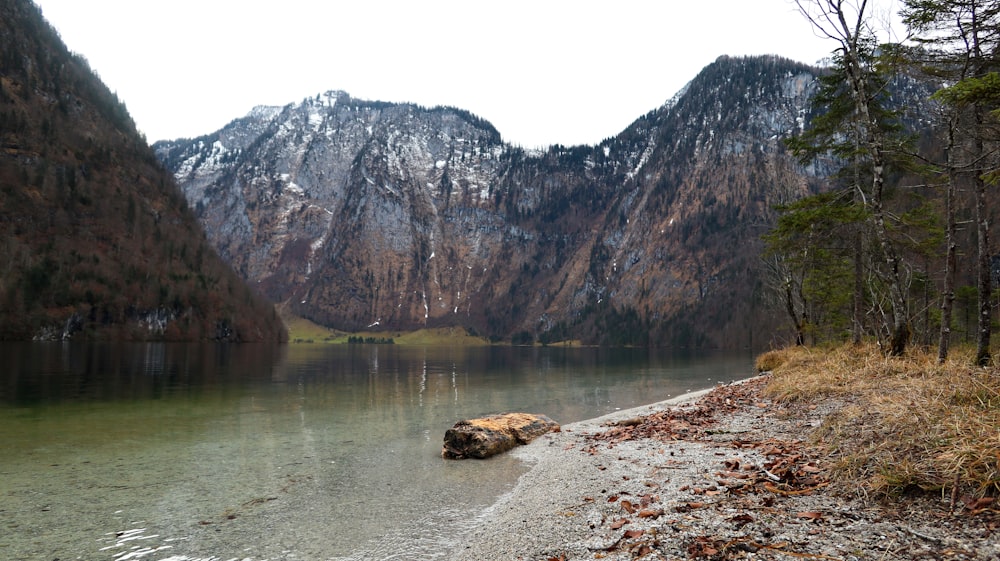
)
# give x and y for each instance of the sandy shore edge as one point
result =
(537, 519)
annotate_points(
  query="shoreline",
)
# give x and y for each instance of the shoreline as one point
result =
(597, 423)
(718, 474)
(529, 514)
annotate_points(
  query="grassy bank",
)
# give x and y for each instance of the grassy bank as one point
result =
(303, 331)
(903, 424)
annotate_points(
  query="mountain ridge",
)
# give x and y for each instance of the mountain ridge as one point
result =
(361, 214)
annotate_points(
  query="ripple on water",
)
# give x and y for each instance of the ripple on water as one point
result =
(133, 544)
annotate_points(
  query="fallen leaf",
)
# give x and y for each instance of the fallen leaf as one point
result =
(629, 507)
(618, 523)
(976, 504)
(741, 519)
(733, 474)
(651, 513)
(703, 546)
(632, 534)
(811, 515)
(642, 551)
(983, 503)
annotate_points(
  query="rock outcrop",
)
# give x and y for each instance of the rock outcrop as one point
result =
(363, 215)
(488, 436)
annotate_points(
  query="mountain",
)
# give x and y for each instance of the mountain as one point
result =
(96, 239)
(371, 215)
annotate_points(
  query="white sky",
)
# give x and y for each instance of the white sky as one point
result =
(542, 71)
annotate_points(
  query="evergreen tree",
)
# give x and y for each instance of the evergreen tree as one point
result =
(858, 128)
(810, 253)
(962, 45)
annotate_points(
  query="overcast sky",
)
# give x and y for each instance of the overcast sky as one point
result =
(542, 71)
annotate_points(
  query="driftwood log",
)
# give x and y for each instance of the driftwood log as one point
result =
(488, 436)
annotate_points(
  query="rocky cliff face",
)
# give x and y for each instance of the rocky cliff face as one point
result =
(361, 214)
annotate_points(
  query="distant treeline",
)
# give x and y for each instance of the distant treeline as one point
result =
(359, 340)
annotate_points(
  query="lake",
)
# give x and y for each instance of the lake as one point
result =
(184, 452)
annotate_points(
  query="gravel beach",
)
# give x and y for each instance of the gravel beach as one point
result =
(719, 474)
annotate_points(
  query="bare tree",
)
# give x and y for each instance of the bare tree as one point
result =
(850, 24)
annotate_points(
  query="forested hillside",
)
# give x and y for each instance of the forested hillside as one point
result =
(96, 239)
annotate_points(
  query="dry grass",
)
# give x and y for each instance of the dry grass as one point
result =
(903, 423)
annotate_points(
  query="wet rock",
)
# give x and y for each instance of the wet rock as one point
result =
(487, 436)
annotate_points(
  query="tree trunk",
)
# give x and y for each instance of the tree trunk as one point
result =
(982, 218)
(830, 18)
(900, 326)
(857, 327)
(858, 312)
(800, 336)
(948, 290)
(859, 86)
(983, 357)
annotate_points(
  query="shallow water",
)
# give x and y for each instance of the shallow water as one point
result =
(213, 452)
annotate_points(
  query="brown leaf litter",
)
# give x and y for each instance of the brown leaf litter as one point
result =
(766, 495)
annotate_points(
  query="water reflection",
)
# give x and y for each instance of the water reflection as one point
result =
(46, 373)
(279, 452)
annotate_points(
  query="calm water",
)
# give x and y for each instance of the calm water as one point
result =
(215, 452)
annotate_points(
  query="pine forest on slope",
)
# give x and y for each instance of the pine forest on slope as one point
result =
(96, 238)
